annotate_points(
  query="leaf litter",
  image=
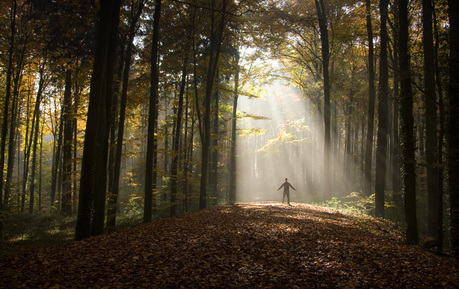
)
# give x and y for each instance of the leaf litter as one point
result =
(247, 245)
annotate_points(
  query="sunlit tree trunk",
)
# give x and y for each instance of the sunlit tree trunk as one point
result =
(407, 128)
(371, 105)
(232, 158)
(381, 149)
(452, 127)
(321, 13)
(150, 176)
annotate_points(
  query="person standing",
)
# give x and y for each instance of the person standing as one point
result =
(286, 186)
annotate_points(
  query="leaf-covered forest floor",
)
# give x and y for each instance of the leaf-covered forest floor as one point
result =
(248, 245)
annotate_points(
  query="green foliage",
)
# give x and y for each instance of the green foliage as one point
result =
(51, 227)
(353, 203)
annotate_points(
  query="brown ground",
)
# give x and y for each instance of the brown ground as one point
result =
(249, 245)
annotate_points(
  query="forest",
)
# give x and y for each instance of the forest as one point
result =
(115, 113)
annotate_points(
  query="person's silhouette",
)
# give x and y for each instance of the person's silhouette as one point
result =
(286, 186)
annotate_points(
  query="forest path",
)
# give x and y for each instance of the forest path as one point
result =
(247, 245)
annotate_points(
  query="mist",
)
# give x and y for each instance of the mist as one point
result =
(288, 144)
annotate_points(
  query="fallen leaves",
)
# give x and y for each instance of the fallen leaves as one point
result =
(246, 245)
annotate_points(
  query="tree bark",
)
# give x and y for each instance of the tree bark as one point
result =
(381, 149)
(66, 206)
(452, 125)
(441, 135)
(430, 119)
(407, 129)
(176, 141)
(150, 178)
(371, 106)
(321, 13)
(232, 158)
(6, 105)
(114, 187)
(215, 45)
(92, 148)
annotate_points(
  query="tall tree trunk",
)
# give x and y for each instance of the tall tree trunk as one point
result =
(176, 141)
(452, 133)
(214, 170)
(150, 178)
(441, 135)
(66, 206)
(232, 158)
(114, 186)
(56, 159)
(40, 170)
(381, 149)
(36, 129)
(321, 13)
(12, 138)
(109, 10)
(397, 196)
(215, 45)
(371, 105)
(407, 128)
(104, 124)
(6, 106)
(431, 119)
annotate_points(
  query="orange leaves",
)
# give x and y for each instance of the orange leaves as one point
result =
(253, 245)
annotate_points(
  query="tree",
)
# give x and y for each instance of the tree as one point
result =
(407, 128)
(109, 12)
(150, 179)
(452, 125)
(431, 118)
(321, 14)
(216, 37)
(371, 105)
(383, 115)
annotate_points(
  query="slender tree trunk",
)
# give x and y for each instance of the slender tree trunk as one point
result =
(108, 11)
(150, 177)
(214, 174)
(66, 206)
(56, 158)
(36, 129)
(430, 118)
(452, 133)
(407, 128)
(104, 124)
(397, 196)
(40, 170)
(114, 190)
(321, 13)
(11, 141)
(176, 141)
(371, 106)
(232, 158)
(6, 107)
(381, 149)
(215, 45)
(441, 135)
